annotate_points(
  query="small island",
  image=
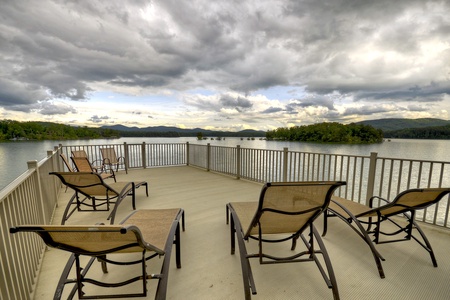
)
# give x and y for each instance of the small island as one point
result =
(328, 133)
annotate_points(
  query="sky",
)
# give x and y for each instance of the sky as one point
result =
(223, 65)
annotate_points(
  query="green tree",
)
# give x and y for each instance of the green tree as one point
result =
(328, 133)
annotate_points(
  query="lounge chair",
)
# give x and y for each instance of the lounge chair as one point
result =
(96, 164)
(83, 165)
(79, 153)
(150, 232)
(285, 211)
(66, 163)
(93, 194)
(379, 210)
(110, 159)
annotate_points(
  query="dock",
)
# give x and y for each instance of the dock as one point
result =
(209, 271)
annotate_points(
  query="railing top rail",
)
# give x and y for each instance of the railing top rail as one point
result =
(12, 186)
(413, 160)
(332, 154)
(282, 150)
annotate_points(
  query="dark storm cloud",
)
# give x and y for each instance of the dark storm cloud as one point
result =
(15, 93)
(317, 101)
(427, 93)
(98, 119)
(271, 110)
(366, 50)
(50, 108)
(238, 103)
(367, 110)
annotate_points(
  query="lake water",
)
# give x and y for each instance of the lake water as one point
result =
(14, 155)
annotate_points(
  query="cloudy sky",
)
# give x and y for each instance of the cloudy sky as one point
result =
(226, 64)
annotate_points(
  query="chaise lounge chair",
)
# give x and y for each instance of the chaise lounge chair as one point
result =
(379, 210)
(82, 164)
(285, 212)
(110, 159)
(93, 194)
(66, 163)
(149, 232)
(96, 164)
(79, 153)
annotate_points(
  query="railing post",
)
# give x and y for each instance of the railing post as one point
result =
(144, 152)
(371, 178)
(187, 153)
(285, 163)
(238, 162)
(208, 156)
(56, 166)
(125, 150)
(33, 165)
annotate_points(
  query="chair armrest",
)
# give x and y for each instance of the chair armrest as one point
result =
(96, 165)
(379, 198)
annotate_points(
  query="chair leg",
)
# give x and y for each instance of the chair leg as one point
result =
(67, 212)
(427, 243)
(232, 236)
(247, 275)
(102, 261)
(163, 277)
(183, 225)
(362, 233)
(133, 195)
(178, 246)
(63, 279)
(80, 273)
(326, 257)
(227, 214)
(376, 255)
(325, 222)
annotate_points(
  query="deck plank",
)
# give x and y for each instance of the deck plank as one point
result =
(210, 272)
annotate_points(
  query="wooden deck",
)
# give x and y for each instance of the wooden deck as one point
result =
(210, 272)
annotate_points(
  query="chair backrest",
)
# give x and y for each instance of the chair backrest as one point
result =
(79, 153)
(82, 164)
(92, 239)
(413, 199)
(289, 207)
(66, 162)
(88, 184)
(109, 155)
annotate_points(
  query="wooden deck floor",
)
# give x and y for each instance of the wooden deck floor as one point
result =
(210, 272)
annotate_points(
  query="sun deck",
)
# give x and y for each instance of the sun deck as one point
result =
(210, 272)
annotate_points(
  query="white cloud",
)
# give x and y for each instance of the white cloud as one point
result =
(219, 63)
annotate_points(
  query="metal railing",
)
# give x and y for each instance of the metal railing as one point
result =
(365, 175)
(32, 197)
(136, 155)
(29, 199)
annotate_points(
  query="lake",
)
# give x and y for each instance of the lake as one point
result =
(14, 155)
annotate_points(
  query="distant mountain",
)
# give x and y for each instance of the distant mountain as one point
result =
(391, 127)
(392, 124)
(160, 131)
(425, 128)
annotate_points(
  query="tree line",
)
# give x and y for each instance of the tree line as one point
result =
(15, 130)
(435, 132)
(321, 132)
(328, 133)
